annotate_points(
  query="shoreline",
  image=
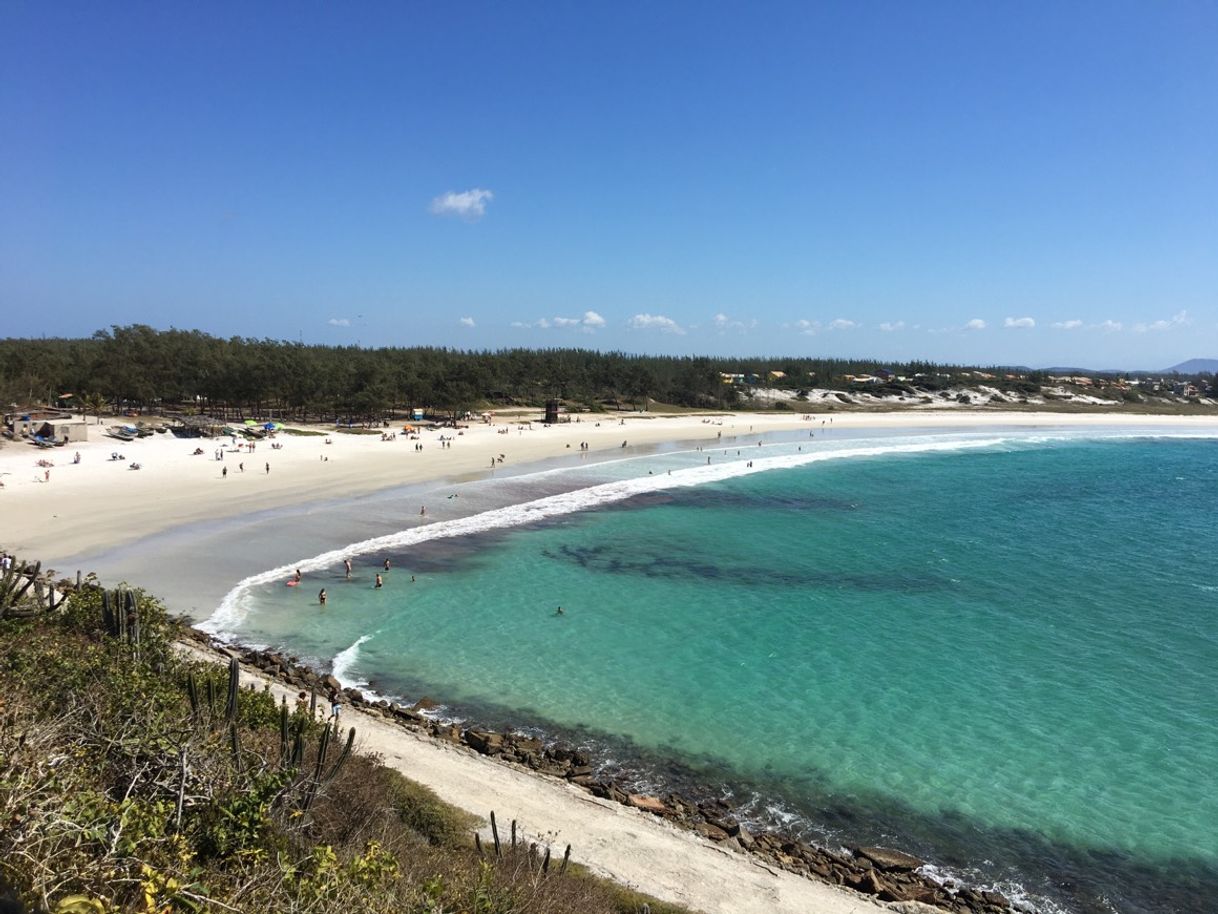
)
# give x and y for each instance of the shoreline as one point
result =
(380, 464)
(694, 853)
(101, 504)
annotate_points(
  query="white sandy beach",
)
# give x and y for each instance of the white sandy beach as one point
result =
(99, 503)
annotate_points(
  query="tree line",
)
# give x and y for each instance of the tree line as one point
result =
(139, 367)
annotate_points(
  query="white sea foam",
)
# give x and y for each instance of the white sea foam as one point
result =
(343, 664)
(233, 607)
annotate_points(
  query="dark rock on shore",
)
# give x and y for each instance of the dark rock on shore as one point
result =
(887, 859)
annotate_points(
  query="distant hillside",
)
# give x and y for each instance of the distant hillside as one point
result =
(1195, 366)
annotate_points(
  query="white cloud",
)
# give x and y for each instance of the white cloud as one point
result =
(587, 324)
(808, 328)
(842, 324)
(1067, 325)
(339, 322)
(469, 205)
(975, 324)
(655, 322)
(1019, 323)
(890, 326)
(1179, 319)
(1110, 326)
(724, 323)
(466, 322)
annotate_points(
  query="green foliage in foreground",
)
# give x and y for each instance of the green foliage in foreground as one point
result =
(125, 785)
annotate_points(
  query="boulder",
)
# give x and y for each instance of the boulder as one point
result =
(871, 883)
(484, 741)
(647, 804)
(887, 859)
(425, 704)
(714, 832)
(331, 684)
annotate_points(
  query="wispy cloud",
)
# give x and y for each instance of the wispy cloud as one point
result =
(1110, 326)
(975, 324)
(806, 327)
(466, 322)
(842, 324)
(590, 322)
(469, 205)
(1067, 325)
(339, 322)
(723, 323)
(1179, 319)
(655, 322)
(892, 326)
(1019, 323)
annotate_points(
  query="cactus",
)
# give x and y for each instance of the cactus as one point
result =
(192, 689)
(297, 750)
(234, 741)
(234, 681)
(320, 775)
(16, 580)
(342, 756)
(211, 696)
(283, 734)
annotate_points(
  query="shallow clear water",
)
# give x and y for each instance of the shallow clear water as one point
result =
(1004, 657)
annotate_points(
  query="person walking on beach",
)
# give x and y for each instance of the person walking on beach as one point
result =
(347, 567)
(302, 703)
(335, 706)
(224, 473)
(268, 469)
(321, 597)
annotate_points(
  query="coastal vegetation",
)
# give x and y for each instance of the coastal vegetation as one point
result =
(134, 779)
(137, 367)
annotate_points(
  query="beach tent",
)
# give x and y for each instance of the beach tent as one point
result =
(251, 421)
(270, 426)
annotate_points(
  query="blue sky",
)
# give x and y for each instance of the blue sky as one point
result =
(1032, 183)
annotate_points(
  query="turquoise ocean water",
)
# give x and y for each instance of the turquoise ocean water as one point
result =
(997, 651)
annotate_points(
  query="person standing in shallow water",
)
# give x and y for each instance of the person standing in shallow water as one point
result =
(379, 582)
(321, 597)
(347, 568)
